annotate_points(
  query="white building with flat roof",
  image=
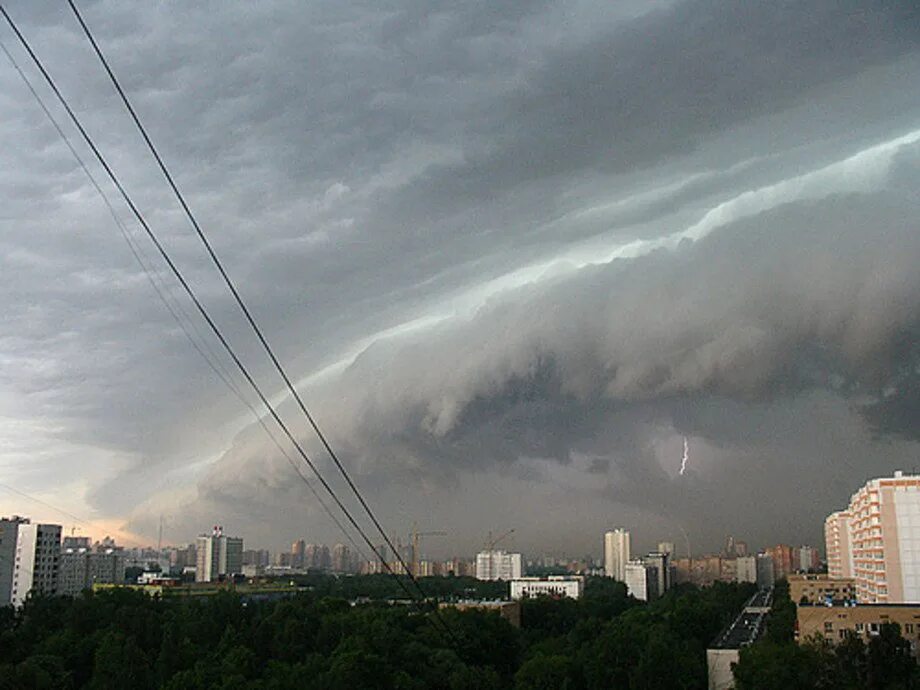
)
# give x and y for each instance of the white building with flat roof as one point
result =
(556, 586)
(498, 565)
(616, 554)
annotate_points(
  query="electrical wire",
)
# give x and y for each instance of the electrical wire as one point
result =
(213, 326)
(237, 297)
(152, 274)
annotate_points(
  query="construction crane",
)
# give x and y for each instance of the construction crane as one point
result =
(490, 548)
(414, 537)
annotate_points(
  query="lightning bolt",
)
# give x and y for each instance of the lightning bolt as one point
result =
(683, 460)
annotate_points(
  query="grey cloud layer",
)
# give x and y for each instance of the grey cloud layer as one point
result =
(465, 174)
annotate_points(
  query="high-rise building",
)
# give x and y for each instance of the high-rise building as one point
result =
(218, 556)
(641, 580)
(616, 554)
(257, 557)
(746, 569)
(667, 547)
(298, 550)
(805, 558)
(662, 564)
(766, 573)
(340, 558)
(81, 568)
(782, 560)
(38, 553)
(498, 565)
(9, 534)
(837, 544)
(741, 548)
(884, 540)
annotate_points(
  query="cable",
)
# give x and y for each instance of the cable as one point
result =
(206, 315)
(236, 295)
(60, 510)
(150, 271)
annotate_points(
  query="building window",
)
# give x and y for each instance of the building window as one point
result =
(859, 627)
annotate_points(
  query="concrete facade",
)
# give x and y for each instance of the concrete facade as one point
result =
(616, 554)
(556, 586)
(833, 623)
(818, 589)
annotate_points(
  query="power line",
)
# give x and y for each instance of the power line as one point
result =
(236, 295)
(151, 272)
(61, 510)
(207, 317)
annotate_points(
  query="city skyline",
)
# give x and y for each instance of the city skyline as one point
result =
(546, 267)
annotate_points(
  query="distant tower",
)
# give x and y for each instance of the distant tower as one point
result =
(616, 554)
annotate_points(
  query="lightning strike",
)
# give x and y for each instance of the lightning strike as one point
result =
(683, 460)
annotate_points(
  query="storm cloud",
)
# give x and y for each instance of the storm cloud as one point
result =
(513, 253)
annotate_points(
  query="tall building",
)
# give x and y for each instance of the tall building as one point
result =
(662, 564)
(746, 569)
(805, 558)
(616, 554)
(667, 547)
(340, 558)
(9, 534)
(782, 561)
(884, 540)
(641, 580)
(38, 552)
(218, 556)
(81, 568)
(498, 565)
(766, 572)
(298, 549)
(837, 544)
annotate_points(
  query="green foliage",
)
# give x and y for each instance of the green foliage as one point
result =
(778, 662)
(349, 633)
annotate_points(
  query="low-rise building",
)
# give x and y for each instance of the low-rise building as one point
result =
(557, 586)
(821, 589)
(834, 623)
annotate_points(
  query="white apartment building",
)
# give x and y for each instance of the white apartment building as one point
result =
(37, 559)
(746, 569)
(217, 556)
(556, 586)
(616, 554)
(884, 534)
(641, 580)
(837, 544)
(498, 565)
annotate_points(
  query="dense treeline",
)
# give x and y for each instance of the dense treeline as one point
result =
(777, 662)
(317, 639)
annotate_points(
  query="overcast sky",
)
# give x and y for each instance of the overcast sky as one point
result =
(513, 253)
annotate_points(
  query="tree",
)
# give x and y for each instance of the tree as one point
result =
(545, 673)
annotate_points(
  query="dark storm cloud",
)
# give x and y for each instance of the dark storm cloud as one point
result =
(515, 245)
